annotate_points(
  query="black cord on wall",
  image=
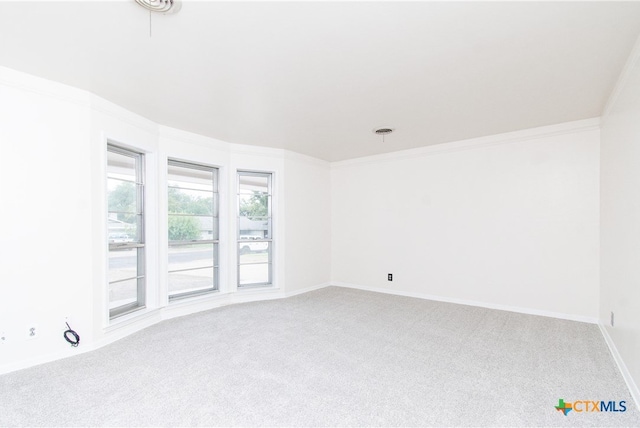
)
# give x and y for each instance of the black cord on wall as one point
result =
(71, 336)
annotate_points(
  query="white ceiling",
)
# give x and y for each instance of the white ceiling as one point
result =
(317, 77)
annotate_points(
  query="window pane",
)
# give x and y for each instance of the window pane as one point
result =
(254, 252)
(191, 281)
(123, 231)
(191, 177)
(122, 196)
(188, 201)
(253, 183)
(254, 262)
(125, 225)
(254, 274)
(123, 293)
(123, 264)
(190, 228)
(192, 216)
(191, 257)
(254, 205)
(254, 227)
(124, 216)
(121, 166)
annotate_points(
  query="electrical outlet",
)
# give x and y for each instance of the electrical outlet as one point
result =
(3, 338)
(612, 320)
(33, 331)
(389, 277)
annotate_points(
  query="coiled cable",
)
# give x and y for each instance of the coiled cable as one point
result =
(74, 340)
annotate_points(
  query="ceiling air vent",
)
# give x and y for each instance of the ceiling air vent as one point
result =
(385, 130)
(162, 6)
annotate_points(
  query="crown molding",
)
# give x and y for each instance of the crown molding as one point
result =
(181, 136)
(306, 159)
(245, 149)
(104, 106)
(477, 143)
(38, 85)
(632, 61)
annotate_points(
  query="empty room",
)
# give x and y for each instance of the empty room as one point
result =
(319, 213)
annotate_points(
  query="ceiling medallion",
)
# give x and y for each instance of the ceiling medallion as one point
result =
(162, 6)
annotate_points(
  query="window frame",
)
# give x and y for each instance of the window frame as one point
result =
(140, 244)
(215, 215)
(269, 240)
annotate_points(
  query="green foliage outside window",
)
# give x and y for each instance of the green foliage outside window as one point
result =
(183, 228)
(255, 206)
(122, 199)
(183, 203)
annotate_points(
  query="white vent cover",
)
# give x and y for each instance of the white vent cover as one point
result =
(163, 6)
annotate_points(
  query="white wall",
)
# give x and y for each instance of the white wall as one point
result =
(53, 192)
(507, 221)
(620, 222)
(45, 215)
(308, 213)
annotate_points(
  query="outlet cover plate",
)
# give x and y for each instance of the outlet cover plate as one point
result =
(612, 320)
(32, 331)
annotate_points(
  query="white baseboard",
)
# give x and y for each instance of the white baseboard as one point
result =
(184, 307)
(307, 289)
(528, 311)
(48, 358)
(247, 295)
(626, 375)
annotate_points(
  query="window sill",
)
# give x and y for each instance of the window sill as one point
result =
(262, 290)
(196, 298)
(135, 317)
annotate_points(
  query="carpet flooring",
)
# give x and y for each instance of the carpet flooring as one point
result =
(331, 357)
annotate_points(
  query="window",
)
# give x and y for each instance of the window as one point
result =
(125, 192)
(192, 229)
(255, 243)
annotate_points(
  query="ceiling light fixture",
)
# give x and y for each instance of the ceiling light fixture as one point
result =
(383, 131)
(162, 6)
